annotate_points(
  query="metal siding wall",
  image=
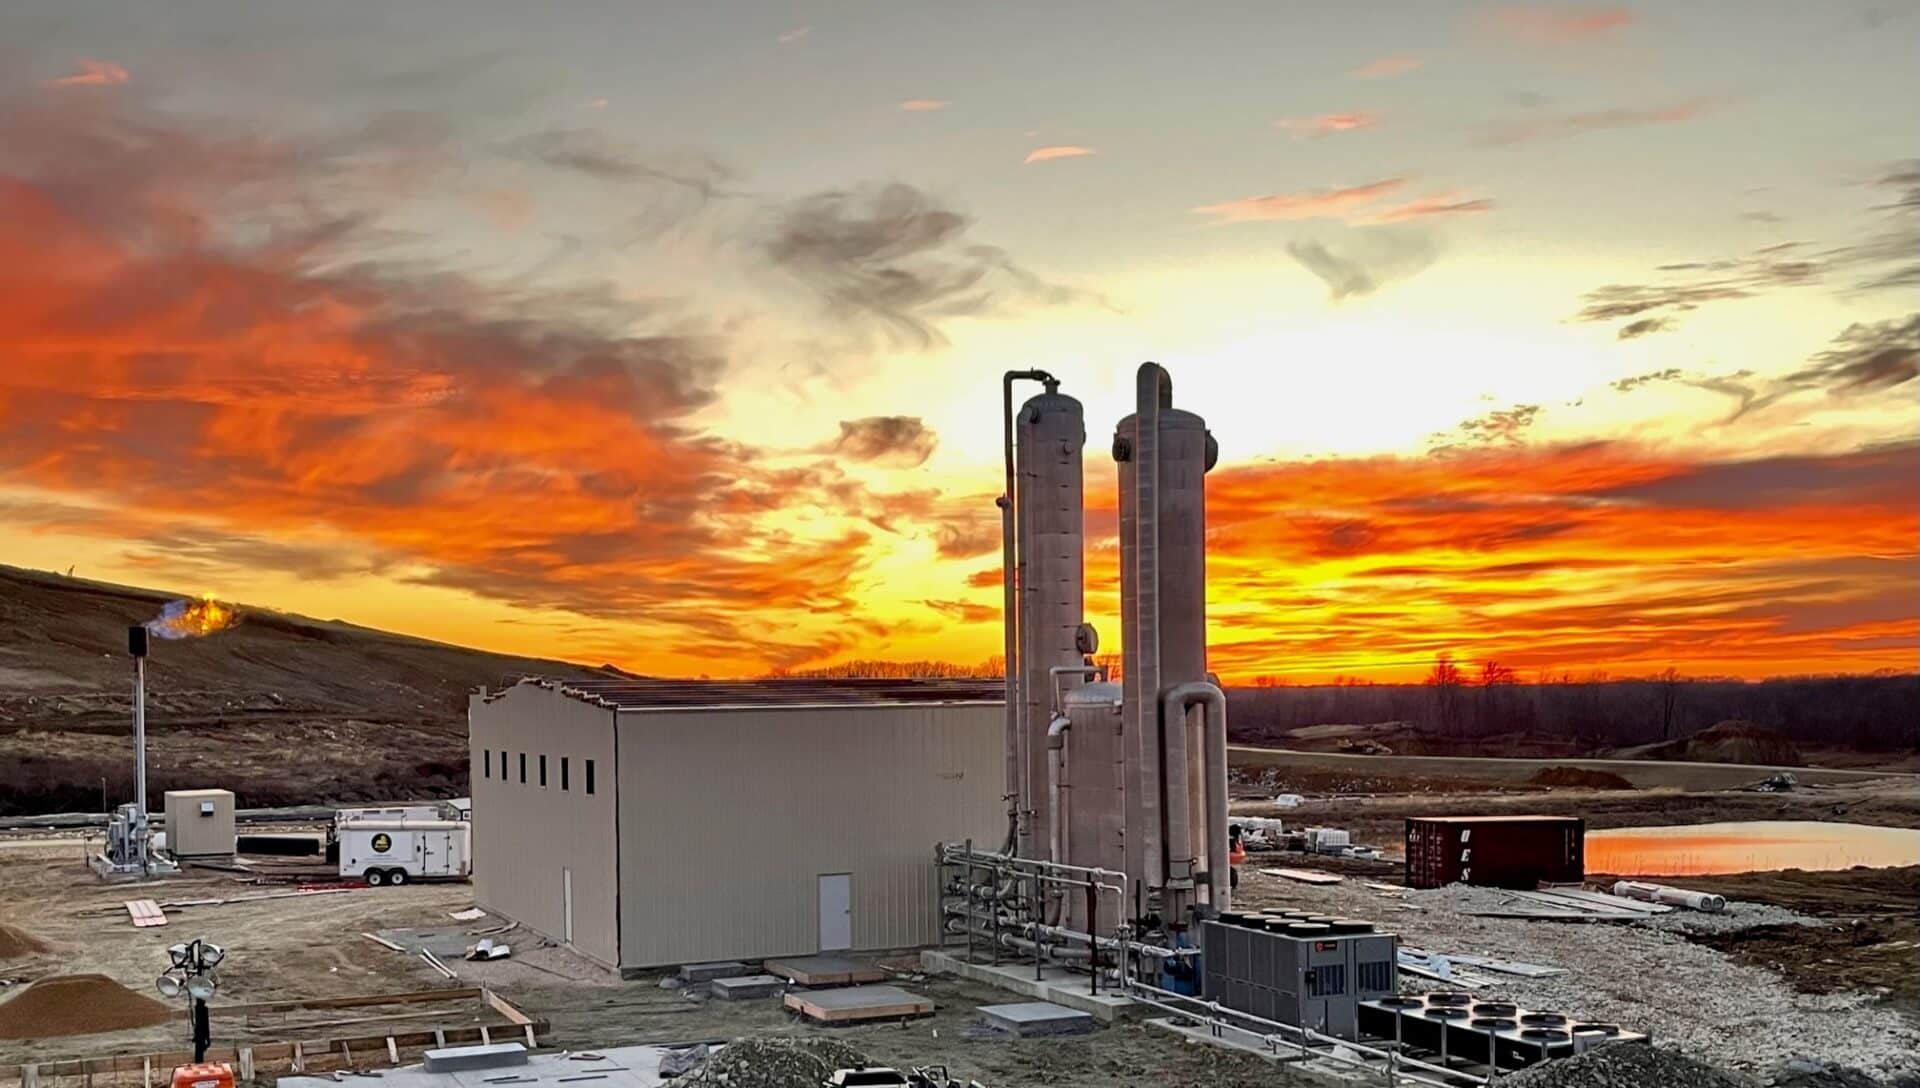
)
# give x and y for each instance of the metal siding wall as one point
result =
(728, 819)
(523, 836)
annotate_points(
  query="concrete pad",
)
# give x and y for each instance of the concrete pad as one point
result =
(825, 970)
(448, 944)
(746, 987)
(1033, 1018)
(1055, 984)
(858, 1003)
(707, 972)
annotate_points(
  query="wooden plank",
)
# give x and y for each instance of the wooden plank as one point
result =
(246, 1063)
(505, 1008)
(393, 1051)
(1305, 876)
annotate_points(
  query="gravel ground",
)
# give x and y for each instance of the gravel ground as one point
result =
(1626, 1065)
(1642, 976)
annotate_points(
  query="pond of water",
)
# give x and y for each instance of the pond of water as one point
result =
(1749, 847)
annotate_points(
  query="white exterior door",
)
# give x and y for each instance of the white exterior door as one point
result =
(566, 905)
(836, 911)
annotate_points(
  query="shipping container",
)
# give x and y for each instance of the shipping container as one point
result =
(1495, 851)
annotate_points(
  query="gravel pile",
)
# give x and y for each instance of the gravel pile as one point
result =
(1644, 978)
(1626, 1065)
(775, 1062)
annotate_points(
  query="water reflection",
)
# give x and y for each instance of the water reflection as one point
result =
(1745, 847)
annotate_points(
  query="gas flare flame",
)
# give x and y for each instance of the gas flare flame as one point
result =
(193, 618)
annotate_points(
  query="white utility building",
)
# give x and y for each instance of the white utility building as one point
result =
(648, 823)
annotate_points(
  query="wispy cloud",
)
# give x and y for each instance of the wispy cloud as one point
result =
(94, 73)
(1327, 124)
(906, 441)
(924, 105)
(1428, 207)
(896, 258)
(1058, 151)
(797, 34)
(1310, 204)
(1536, 26)
(1633, 330)
(1357, 204)
(1365, 261)
(1383, 67)
(1559, 126)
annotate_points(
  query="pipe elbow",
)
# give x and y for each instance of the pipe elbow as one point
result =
(1057, 731)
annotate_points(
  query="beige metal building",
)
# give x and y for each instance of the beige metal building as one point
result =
(647, 823)
(200, 823)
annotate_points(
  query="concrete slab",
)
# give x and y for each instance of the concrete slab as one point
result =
(1055, 984)
(825, 970)
(454, 1059)
(746, 987)
(707, 972)
(855, 1004)
(1034, 1018)
(619, 1067)
(448, 944)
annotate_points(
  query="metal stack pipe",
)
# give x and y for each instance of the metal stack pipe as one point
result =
(1177, 789)
(1048, 576)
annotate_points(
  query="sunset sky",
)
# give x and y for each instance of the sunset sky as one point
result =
(669, 335)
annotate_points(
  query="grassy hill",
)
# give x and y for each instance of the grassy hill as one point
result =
(281, 709)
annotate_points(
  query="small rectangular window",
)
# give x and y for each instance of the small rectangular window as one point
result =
(489, 764)
(563, 772)
(589, 776)
(503, 765)
(543, 770)
(523, 768)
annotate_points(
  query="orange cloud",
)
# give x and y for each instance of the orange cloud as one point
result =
(1538, 26)
(1531, 129)
(94, 73)
(1316, 204)
(1426, 207)
(924, 105)
(1383, 67)
(1058, 151)
(1573, 557)
(1329, 123)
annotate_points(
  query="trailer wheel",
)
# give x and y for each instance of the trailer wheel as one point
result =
(397, 877)
(375, 878)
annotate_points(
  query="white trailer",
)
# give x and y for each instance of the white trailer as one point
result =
(396, 850)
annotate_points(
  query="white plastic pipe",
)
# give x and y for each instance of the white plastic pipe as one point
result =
(1677, 897)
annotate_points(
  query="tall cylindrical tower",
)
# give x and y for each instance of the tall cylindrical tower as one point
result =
(1172, 796)
(1050, 434)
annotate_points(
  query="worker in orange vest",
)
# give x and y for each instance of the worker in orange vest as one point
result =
(1236, 854)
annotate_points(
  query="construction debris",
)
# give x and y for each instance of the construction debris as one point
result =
(1304, 876)
(1680, 897)
(776, 1062)
(487, 949)
(473, 915)
(436, 963)
(17, 943)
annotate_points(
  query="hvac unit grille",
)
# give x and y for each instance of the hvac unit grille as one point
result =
(1329, 981)
(1377, 977)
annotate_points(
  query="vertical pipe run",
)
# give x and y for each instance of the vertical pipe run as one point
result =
(1057, 784)
(140, 737)
(1143, 672)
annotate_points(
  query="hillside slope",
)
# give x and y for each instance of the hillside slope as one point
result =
(281, 709)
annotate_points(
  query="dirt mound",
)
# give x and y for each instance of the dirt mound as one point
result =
(1625, 1064)
(1732, 742)
(17, 943)
(77, 1005)
(1580, 778)
(776, 1062)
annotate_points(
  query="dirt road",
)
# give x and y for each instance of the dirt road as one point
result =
(1644, 774)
